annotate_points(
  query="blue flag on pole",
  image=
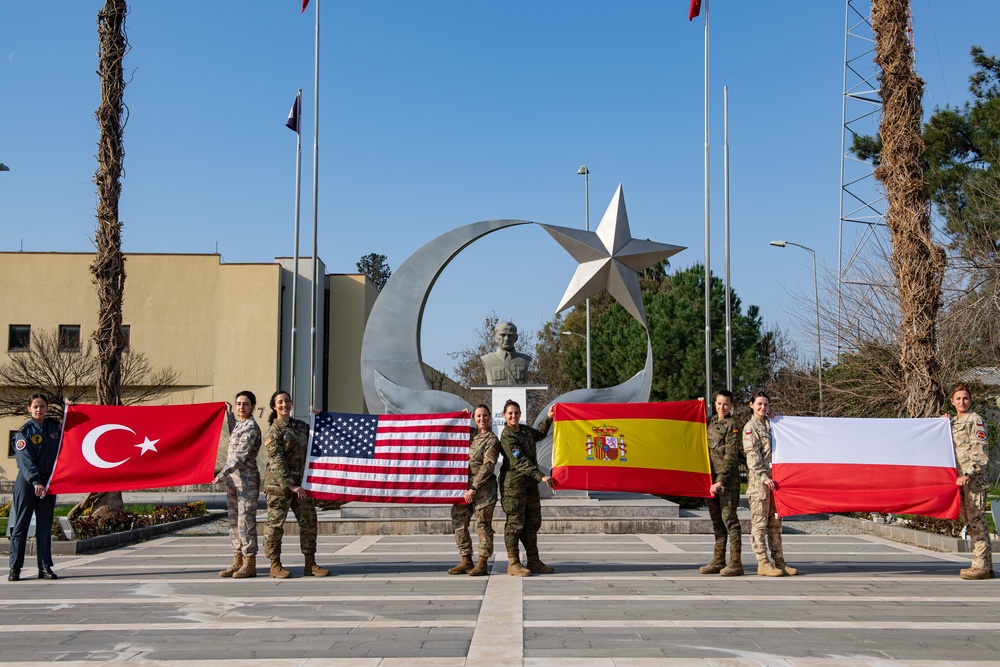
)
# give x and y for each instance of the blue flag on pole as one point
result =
(293, 116)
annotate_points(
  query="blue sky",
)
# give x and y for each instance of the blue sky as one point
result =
(435, 115)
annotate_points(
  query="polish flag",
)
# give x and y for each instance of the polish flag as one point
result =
(116, 448)
(902, 466)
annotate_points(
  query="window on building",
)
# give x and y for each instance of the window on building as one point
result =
(19, 338)
(69, 337)
(127, 335)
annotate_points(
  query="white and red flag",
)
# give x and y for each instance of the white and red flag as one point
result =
(902, 466)
(420, 458)
(118, 448)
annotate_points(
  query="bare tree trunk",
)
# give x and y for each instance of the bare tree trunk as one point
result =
(109, 265)
(916, 261)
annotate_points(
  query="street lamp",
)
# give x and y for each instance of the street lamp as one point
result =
(586, 199)
(573, 333)
(819, 345)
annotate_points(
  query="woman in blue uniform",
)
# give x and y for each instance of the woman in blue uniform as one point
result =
(35, 448)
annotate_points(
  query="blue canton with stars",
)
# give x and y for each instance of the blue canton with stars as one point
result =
(344, 435)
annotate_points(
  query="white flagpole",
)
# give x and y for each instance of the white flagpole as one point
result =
(725, 187)
(708, 271)
(295, 243)
(315, 259)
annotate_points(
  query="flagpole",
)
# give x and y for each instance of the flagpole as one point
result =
(708, 271)
(725, 187)
(315, 202)
(295, 243)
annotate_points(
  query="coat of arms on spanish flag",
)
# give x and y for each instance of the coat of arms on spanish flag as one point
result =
(656, 448)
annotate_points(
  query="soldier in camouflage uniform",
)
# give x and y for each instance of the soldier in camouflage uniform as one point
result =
(242, 479)
(480, 498)
(765, 528)
(286, 445)
(724, 453)
(519, 478)
(968, 432)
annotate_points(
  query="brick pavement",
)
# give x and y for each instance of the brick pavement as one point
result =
(616, 601)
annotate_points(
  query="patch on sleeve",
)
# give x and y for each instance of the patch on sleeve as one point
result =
(749, 431)
(515, 453)
(980, 435)
(20, 444)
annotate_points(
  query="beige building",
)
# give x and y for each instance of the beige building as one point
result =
(222, 327)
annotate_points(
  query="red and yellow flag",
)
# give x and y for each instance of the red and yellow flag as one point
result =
(656, 448)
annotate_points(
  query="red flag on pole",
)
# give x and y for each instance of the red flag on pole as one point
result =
(694, 11)
(115, 448)
(304, 3)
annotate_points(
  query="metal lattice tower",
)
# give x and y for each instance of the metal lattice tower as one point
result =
(864, 236)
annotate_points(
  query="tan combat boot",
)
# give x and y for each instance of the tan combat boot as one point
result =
(237, 564)
(482, 567)
(464, 566)
(536, 566)
(249, 568)
(765, 569)
(735, 566)
(786, 568)
(277, 571)
(312, 569)
(514, 568)
(718, 559)
(974, 573)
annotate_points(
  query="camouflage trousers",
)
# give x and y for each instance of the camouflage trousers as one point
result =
(725, 522)
(461, 516)
(242, 492)
(765, 527)
(974, 516)
(278, 505)
(524, 519)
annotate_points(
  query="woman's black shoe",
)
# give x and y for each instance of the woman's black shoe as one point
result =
(46, 573)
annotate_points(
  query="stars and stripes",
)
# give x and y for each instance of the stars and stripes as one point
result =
(389, 458)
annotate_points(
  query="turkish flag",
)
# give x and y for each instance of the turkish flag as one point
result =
(116, 448)
(694, 10)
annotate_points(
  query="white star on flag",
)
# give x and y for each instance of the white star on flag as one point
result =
(147, 446)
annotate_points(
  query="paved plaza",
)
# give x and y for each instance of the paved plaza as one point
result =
(616, 600)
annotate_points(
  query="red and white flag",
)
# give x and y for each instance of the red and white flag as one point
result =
(389, 458)
(117, 448)
(902, 466)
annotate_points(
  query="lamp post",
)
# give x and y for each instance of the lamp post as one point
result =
(586, 199)
(573, 333)
(819, 345)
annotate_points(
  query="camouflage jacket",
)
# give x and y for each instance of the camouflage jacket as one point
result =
(520, 456)
(244, 444)
(757, 446)
(484, 452)
(724, 450)
(968, 432)
(286, 454)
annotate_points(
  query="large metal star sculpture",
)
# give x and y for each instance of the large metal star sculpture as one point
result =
(609, 259)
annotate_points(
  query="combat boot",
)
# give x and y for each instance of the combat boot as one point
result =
(765, 569)
(735, 567)
(237, 564)
(786, 568)
(482, 567)
(514, 568)
(249, 568)
(536, 566)
(464, 566)
(312, 569)
(277, 571)
(718, 560)
(974, 573)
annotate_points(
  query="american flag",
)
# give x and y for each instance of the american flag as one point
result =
(389, 458)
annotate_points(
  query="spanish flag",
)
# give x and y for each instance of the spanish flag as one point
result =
(656, 448)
